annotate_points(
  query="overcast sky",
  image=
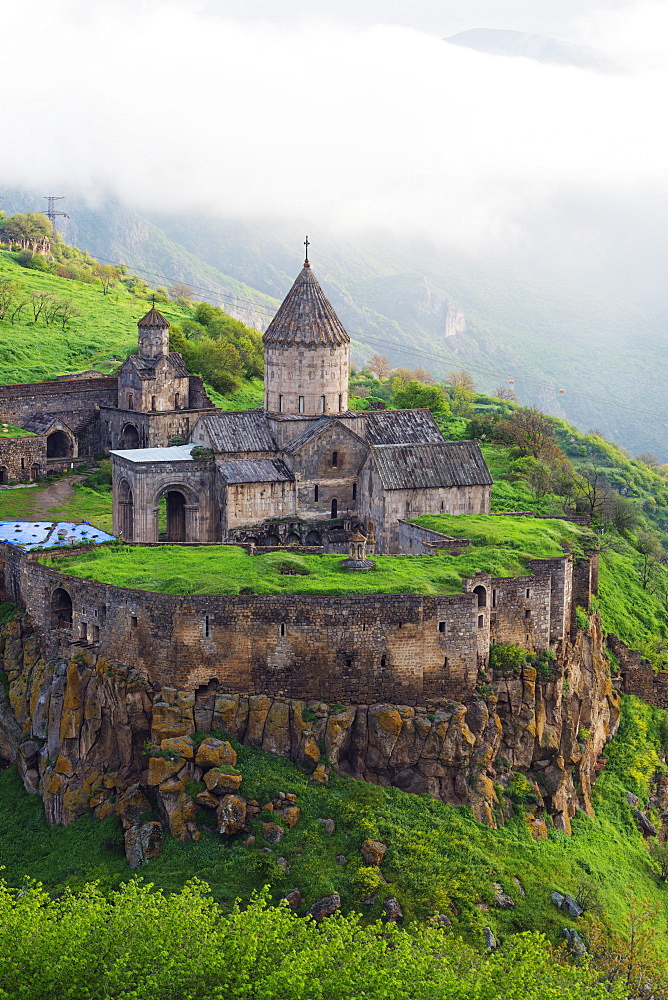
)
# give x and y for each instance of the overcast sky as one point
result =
(349, 113)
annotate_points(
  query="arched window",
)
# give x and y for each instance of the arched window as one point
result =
(340, 402)
(153, 406)
(335, 508)
(176, 401)
(322, 404)
(301, 404)
(282, 630)
(354, 492)
(335, 459)
(280, 404)
(61, 609)
(131, 401)
(316, 493)
(482, 596)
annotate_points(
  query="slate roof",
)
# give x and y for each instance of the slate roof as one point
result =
(263, 470)
(424, 466)
(153, 318)
(145, 367)
(242, 430)
(40, 423)
(306, 316)
(401, 427)
(178, 453)
(311, 432)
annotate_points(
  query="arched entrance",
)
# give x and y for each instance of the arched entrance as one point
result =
(59, 445)
(126, 505)
(34, 473)
(313, 538)
(272, 540)
(176, 516)
(3, 475)
(61, 609)
(129, 437)
(293, 539)
(482, 596)
(335, 507)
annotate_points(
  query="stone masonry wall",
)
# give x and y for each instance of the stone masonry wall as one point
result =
(23, 458)
(76, 402)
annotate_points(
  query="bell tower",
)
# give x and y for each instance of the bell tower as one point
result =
(153, 334)
(306, 353)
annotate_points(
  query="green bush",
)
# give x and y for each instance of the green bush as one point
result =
(507, 656)
(581, 619)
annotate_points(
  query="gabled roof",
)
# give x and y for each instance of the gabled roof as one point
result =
(145, 367)
(153, 318)
(306, 316)
(313, 431)
(41, 423)
(237, 430)
(425, 466)
(263, 470)
(401, 427)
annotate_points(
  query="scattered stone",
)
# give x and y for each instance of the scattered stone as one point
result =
(294, 899)
(231, 814)
(564, 901)
(220, 783)
(373, 852)
(266, 850)
(159, 769)
(131, 805)
(557, 899)
(488, 938)
(269, 807)
(143, 843)
(393, 911)
(440, 920)
(320, 776)
(632, 799)
(290, 815)
(272, 832)
(645, 825)
(502, 899)
(281, 795)
(576, 945)
(370, 901)
(283, 865)
(325, 907)
(249, 841)
(341, 859)
(329, 825)
(212, 753)
(520, 887)
(207, 799)
(291, 797)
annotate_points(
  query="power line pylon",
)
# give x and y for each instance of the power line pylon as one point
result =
(52, 212)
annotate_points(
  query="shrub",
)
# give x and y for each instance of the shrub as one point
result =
(581, 619)
(507, 656)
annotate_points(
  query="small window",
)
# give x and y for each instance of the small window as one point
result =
(400, 624)
(481, 621)
(23, 463)
(282, 629)
(131, 401)
(316, 493)
(527, 614)
(134, 621)
(207, 627)
(442, 504)
(153, 405)
(340, 402)
(495, 598)
(408, 507)
(335, 508)
(354, 491)
(441, 626)
(176, 400)
(445, 663)
(527, 593)
(383, 661)
(96, 633)
(280, 404)
(322, 404)
(349, 663)
(335, 459)
(301, 404)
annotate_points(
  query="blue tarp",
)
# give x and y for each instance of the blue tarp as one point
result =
(50, 534)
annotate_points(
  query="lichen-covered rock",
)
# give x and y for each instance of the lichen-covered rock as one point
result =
(182, 746)
(320, 776)
(289, 816)
(231, 814)
(393, 912)
(272, 832)
(161, 768)
(325, 907)
(219, 782)
(373, 852)
(207, 800)
(177, 809)
(131, 806)
(212, 753)
(294, 899)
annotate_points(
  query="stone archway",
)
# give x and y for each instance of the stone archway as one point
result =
(176, 516)
(126, 504)
(313, 538)
(129, 437)
(61, 609)
(59, 445)
(481, 593)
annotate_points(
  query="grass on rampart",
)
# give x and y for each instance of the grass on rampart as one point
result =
(439, 860)
(500, 548)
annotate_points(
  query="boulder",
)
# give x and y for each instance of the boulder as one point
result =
(325, 907)
(501, 898)
(213, 753)
(131, 805)
(564, 901)
(180, 745)
(329, 825)
(632, 801)
(231, 814)
(393, 912)
(142, 843)
(373, 852)
(177, 810)
(645, 825)
(294, 899)
(289, 816)
(249, 841)
(341, 859)
(159, 769)
(207, 800)
(440, 920)
(576, 945)
(283, 865)
(488, 938)
(320, 776)
(272, 832)
(219, 782)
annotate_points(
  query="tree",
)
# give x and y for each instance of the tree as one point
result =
(402, 376)
(66, 312)
(462, 379)
(536, 474)
(648, 458)
(422, 375)
(380, 364)
(632, 959)
(108, 275)
(180, 290)
(8, 293)
(529, 430)
(461, 402)
(415, 395)
(591, 487)
(505, 392)
(651, 553)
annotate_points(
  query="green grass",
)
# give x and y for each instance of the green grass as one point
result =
(501, 547)
(86, 505)
(9, 431)
(635, 614)
(438, 855)
(17, 504)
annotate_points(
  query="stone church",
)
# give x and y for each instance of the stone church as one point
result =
(303, 469)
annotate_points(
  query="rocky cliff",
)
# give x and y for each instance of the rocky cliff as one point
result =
(87, 734)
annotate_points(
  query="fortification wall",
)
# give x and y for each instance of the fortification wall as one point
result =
(22, 458)
(76, 402)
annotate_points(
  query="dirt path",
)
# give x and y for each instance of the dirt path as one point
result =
(55, 495)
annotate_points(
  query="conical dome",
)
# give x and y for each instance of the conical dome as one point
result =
(154, 319)
(306, 316)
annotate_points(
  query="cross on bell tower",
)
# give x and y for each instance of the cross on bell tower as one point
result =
(306, 244)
